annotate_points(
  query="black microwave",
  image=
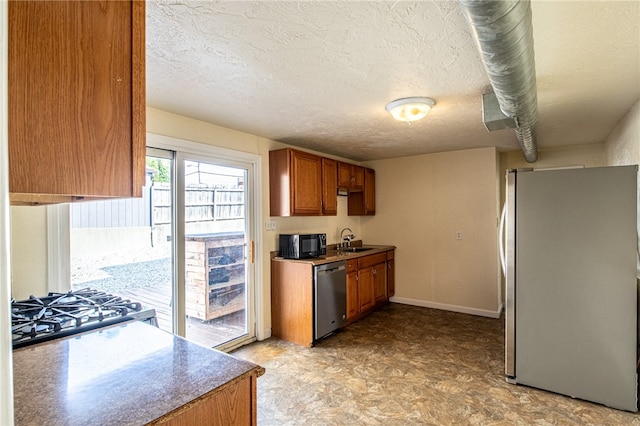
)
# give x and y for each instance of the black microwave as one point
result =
(302, 246)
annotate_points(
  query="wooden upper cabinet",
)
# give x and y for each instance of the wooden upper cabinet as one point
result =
(350, 177)
(364, 203)
(329, 187)
(369, 192)
(305, 184)
(76, 100)
(295, 179)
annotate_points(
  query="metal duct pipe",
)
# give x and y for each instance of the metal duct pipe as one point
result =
(503, 34)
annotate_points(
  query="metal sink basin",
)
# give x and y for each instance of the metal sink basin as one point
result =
(355, 249)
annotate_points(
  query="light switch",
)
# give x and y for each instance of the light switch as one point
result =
(270, 225)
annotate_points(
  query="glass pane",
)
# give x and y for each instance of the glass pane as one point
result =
(124, 247)
(215, 253)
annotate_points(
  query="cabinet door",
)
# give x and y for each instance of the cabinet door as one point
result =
(76, 100)
(365, 289)
(306, 185)
(358, 178)
(380, 282)
(344, 175)
(369, 192)
(364, 202)
(353, 303)
(391, 277)
(329, 187)
(350, 176)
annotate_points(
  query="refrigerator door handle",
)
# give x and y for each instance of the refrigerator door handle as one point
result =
(510, 276)
(501, 239)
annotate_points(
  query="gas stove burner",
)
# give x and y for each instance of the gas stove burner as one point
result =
(39, 319)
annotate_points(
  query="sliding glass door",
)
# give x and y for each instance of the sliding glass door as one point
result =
(184, 249)
(217, 249)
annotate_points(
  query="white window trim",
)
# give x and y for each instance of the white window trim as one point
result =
(6, 353)
(58, 248)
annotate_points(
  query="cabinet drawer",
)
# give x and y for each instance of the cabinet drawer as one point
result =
(374, 259)
(352, 265)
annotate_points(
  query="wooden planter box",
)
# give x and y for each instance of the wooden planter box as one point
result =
(215, 274)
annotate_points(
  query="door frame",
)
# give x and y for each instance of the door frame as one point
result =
(6, 352)
(182, 146)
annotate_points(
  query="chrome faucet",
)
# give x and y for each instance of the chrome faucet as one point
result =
(345, 240)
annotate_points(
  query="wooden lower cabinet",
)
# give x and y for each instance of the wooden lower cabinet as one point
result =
(353, 303)
(372, 280)
(232, 404)
(380, 282)
(391, 273)
(292, 301)
(365, 289)
(367, 286)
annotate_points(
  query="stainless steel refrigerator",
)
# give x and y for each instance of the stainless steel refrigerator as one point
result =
(570, 263)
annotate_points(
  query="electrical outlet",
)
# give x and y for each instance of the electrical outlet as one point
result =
(459, 235)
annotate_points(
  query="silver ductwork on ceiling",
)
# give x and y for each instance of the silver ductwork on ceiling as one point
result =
(503, 34)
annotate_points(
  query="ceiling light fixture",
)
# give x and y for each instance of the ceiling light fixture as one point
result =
(410, 109)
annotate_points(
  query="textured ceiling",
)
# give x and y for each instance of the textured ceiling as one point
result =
(318, 74)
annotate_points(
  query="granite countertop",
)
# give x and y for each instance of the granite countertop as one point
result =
(131, 373)
(334, 255)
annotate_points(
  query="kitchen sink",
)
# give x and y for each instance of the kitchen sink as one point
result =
(355, 249)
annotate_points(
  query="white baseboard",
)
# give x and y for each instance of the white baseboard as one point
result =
(445, 307)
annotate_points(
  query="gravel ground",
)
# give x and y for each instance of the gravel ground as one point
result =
(122, 270)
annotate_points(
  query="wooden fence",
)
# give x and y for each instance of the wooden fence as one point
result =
(202, 205)
(154, 208)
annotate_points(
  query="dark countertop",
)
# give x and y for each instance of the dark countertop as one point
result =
(334, 255)
(127, 374)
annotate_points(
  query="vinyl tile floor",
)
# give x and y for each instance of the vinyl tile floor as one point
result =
(407, 365)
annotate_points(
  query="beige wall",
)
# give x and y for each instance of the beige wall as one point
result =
(623, 145)
(421, 202)
(592, 155)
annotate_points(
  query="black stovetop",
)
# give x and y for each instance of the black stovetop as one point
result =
(56, 315)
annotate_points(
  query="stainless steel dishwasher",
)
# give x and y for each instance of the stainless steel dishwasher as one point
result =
(330, 297)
